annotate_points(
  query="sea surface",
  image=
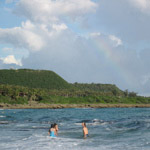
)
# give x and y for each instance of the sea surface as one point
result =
(109, 129)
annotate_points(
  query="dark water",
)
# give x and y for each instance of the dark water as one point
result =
(109, 129)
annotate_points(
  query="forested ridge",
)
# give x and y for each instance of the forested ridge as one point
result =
(33, 79)
(24, 85)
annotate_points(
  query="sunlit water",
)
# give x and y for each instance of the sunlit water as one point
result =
(109, 129)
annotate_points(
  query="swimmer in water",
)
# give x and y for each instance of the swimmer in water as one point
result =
(56, 128)
(52, 131)
(85, 130)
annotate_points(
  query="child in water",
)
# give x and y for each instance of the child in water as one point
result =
(85, 130)
(52, 131)
(56, 128)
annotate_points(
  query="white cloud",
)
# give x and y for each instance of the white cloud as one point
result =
(142, 5)
(53, 44)
(44, 21)
(95, 34)
(11, 60)
(111, 40)
(116, 40)
(22, 37)
(59, 27)
(30, 36)
(50, 10)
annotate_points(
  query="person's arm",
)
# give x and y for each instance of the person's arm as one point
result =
(56, 129)
(55, 132)
(84, 132)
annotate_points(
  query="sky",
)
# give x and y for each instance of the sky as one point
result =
(85, 41)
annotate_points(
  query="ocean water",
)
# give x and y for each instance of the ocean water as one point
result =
(109, 129)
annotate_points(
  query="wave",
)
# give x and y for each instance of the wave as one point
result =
(2, 116)
(129, 125)
(4, 122)
(36, 127)
(93, 122)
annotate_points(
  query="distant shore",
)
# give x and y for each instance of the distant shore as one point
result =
(34, 105)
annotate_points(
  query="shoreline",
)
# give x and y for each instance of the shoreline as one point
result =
(35, 105)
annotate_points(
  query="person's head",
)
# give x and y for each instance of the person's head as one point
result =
(52, 125)
(83, 124)
(55, 124)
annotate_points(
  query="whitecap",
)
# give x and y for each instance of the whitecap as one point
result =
(4, 122)
(79, 124)
(96, 120)
(2, 116)
(108, 129)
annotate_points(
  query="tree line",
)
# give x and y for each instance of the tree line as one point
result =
(21, 95)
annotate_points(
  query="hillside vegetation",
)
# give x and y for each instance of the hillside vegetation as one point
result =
(104, 88)
(25, 85)
(33, 79)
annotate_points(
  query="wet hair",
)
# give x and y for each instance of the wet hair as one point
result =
(55, 124)
(52, 125)
(84, 124)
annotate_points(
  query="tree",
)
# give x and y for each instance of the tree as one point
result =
(126, 93)
(132, 94)
(115, 92)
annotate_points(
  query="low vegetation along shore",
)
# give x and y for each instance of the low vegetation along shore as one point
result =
(25, 88)
(34, 105)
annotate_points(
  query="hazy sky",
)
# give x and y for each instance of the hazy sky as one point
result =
(100, 41)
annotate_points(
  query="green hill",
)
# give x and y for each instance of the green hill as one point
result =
(105, 88)
(49, 80)
(33, 79)
(25, 85)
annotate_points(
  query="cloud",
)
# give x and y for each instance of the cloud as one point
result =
(110, 39)
(50, 10)
(122, 19)
(73, 57)
(8, 66)
(22, 37)
(45, 20)
(78, 59)
(59, 27)
(95, 34)
(11, 60)
(116, 40)
(142, 5)
(102, 51)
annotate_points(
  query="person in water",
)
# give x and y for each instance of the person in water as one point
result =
(56, 128)
(52, 131)
(85, 130)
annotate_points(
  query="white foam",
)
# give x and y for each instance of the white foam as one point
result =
(96, 120)
(2, 116)
(42, 141)
(4, 122)
(34, 126)
(108, 129)
(92, 123)
(78, 124)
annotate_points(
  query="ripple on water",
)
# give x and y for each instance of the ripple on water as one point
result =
(122, 130)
